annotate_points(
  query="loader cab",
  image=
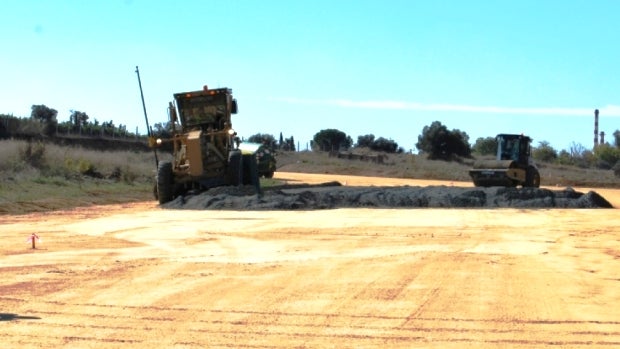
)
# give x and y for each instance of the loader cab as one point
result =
(513, 147)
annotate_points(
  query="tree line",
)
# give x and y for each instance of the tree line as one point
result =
(436, 141)
(329, 140)
(44, 121)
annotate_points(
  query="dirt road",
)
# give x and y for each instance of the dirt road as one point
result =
(138, 276)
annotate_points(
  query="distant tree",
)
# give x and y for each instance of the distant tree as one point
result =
(78, 118)
(379, 144)
(332, 139)
(617, 138)
(265, 139)
(578, 155)
(485, 146)
(289, 144)
(47, 116)
(564, 158)
(442, 144)
(4, 125)
(577, 150)
(365, 140)
(43, 113)
(544, 152)
(606, 155)
(122, 129)
(462, 135)
(162, 130)
(383, 144)
(286, 144)
(108, 128)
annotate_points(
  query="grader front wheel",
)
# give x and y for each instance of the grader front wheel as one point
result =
(164, 182)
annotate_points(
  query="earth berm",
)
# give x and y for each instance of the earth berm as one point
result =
(334, 195)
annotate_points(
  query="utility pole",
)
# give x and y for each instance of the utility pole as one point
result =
(146, 118)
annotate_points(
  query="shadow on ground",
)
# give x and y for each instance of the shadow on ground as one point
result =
(12, 317)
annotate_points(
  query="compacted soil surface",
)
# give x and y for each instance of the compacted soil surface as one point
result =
(142, 276)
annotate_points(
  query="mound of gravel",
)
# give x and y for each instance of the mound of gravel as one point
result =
(333, 195)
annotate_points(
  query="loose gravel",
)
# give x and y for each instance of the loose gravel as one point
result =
(334, 195)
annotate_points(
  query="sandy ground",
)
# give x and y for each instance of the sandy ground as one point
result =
(138, 276)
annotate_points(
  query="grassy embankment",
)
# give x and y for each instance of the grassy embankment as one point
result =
(415, 166)
(43, 177)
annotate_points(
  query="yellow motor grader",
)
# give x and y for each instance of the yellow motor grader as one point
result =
(513, 164)
(205, 146)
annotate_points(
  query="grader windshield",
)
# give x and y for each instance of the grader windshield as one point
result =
(206, 109)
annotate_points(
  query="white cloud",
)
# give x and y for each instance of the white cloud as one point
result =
(606, 111)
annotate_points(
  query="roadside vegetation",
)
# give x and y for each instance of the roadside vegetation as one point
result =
(36, 176)
(403, 165)
(39, 174)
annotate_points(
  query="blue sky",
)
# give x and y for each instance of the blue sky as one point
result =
(386, 68)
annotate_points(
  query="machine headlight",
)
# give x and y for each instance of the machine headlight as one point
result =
(158, 141)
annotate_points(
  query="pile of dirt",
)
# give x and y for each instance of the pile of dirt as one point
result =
(333, 195)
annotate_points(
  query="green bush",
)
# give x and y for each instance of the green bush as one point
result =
(607, 156)
(544, 152)
(485, 146)
(616, 169)
(439, 143)
(33, 154)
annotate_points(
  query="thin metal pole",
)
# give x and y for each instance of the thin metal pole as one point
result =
(146, 118)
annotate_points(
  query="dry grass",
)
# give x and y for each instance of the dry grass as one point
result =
(416, 166)
(70, 161)
(43, 177)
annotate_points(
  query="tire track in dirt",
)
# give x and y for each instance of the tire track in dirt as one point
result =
(348, 278)
(345, 322)
(290, 328)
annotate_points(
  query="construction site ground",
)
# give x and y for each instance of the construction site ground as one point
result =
(136, 275)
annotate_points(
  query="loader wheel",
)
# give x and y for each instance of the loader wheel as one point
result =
(164, 182)
(269, 174)
(536, 180)
(532, 178)
(250, 170)
(235, 167)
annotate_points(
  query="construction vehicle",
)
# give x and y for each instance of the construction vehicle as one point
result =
(512, 166)
(205, 151)
(265, 159)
